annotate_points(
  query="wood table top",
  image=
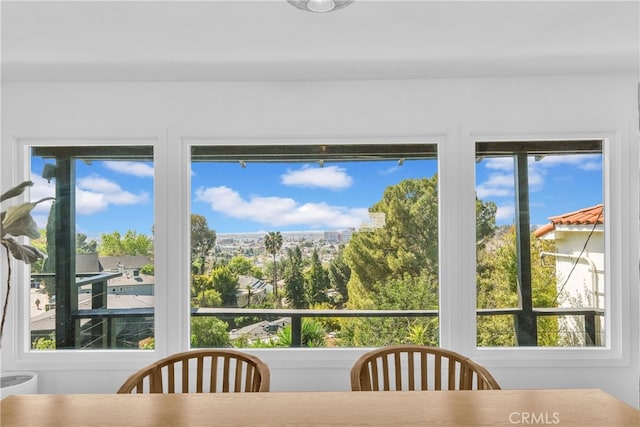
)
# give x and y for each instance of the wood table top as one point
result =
(575, 407)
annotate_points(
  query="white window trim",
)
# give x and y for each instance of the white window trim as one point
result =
(619, 249)
(456, 166)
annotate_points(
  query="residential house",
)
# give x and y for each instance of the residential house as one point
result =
(579, 259)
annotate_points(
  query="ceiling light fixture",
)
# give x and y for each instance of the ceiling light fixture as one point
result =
(320, 6)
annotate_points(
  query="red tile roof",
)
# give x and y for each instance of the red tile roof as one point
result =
(592, 215)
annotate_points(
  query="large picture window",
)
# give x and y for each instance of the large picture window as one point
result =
(540, 244)
(95, 287)
(314, 245)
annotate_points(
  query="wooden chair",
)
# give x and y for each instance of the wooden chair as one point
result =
(214, 370)
(416, 367)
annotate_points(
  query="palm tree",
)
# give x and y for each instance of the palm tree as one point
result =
(273, 243)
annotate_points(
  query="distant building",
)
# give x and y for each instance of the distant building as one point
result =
(331, 236)
(251, 290)
(263, 331)
(346, 235)
(130, 290)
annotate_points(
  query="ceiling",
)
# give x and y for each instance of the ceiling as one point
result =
(272, 40)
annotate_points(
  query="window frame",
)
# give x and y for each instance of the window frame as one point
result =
(189, 142)
(616, 352)
(456, 169)
(22, 356)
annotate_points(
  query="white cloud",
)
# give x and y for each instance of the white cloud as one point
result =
(280, 211)
(131, 168)
(581, 161)
(498, 185)
(95, 194)
(501, 184)
(505, 213)
(330, 177)
(390, 170)
(499, 163)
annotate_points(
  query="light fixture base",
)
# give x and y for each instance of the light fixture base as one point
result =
(320, 6)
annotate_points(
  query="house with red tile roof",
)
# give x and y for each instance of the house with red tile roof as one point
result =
(579, 257)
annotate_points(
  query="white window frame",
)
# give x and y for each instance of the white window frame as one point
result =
(456, 171)
(618, 244)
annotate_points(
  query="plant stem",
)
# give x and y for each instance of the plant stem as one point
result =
(6, 298)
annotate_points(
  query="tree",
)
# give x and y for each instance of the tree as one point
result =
(273, 243)
(226, 283)
(339, 274)
(113, 244)
(209, 332)
(395, 266)
(203, 240)
(294, 279)
(84, 246)
(241, 265)
(317, 281)
(407, 244)
(203, 293)
(405, 293)
(497, 287)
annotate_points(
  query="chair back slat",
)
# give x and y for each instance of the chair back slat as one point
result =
(437, 372)
(411, 370)
(431, 367)
(424, 371)
(241, 372)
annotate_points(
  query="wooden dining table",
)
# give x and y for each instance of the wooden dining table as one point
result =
(575, 407)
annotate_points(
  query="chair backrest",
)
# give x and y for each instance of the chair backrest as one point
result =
(201, 371)
(416, 367)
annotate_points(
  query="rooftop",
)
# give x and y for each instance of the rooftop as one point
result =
(587, 216)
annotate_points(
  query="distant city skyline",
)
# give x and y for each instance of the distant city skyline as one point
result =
(262, 197)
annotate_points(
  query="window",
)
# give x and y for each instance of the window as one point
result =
(314, 245)
(540, 244)
(346, 235)
(95, 288)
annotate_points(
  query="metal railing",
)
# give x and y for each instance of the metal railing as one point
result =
(297, 315)
(100, 326)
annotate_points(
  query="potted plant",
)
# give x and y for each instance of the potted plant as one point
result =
(16, 222)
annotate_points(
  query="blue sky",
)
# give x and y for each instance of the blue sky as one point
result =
(295, 196)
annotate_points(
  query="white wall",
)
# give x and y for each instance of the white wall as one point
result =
(455, 111)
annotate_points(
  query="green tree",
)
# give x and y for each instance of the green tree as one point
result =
(407, 244)
(241, 265)
(85, 246)
(41, 245)
(339, 274)
(317, 280)
(209, 332)
(395, 266)
(405, 293)
(485, 220)
(137, 244)
(132, 243)
(294, 279)
(226, 283)
(203, 241)
(497, 287)
(273, 243)
(45, 343)
(203, 293)
(148, 269)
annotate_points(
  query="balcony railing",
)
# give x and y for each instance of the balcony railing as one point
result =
(100, 326)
